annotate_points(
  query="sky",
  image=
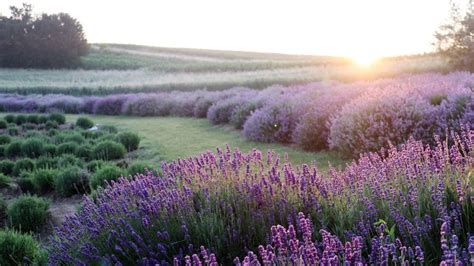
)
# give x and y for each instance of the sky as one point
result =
(352, 28)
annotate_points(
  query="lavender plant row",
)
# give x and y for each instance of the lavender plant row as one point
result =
(412, 205)
(352, 118)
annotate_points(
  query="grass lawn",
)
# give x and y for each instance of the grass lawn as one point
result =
(169, 138)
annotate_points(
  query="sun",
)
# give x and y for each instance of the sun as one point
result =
(365, 60)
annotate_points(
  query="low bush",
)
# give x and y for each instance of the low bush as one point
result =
(28, 213)
(25, 182)
(33, 119)
(6, 167)
(50, 149)
(74, 137)
(139, 168)
(370, 123)
(13, 149)
(10, 118)
(13, 131)
(108, 129)
(274, 123)
(42, 119)
(109, 150)
(3, 124)
(57, 117)
(43, 180)
(67, 159)
(68, 147)
(70, 181)
(20, 119)
(129, 140)
(32, 148)
(20, 249)
(51, 125)
(21, 165)
(84, 123)
(4, 180)
(241, 113)
(46, 162)
(84, 152)
(105, 174)
(94, 165)
(2, 150)
(3, 210)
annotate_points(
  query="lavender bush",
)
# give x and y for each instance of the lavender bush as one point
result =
(386, 207)
(352, 118)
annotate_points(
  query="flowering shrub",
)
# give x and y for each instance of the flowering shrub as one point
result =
(273, 123)
(385, 207)
(342, 116)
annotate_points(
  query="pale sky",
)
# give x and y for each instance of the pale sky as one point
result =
(354, 28)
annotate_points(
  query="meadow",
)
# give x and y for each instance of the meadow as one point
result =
(120, 69)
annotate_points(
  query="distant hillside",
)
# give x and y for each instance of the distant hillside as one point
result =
(118, 68)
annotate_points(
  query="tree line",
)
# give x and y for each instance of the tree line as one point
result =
(45, 41)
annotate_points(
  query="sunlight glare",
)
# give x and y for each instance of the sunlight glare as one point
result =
(365, 60)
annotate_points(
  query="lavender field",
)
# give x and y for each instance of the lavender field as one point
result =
(317, 133)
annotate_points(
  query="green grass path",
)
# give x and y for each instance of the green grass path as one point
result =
(169, 138)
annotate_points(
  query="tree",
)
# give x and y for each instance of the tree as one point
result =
(455, 40)
(46, 41)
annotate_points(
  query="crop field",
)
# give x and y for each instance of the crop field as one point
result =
(119, 69)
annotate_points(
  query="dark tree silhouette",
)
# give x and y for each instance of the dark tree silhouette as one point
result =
(455, 40)
(46, 41)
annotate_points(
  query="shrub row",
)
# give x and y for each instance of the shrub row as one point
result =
(352, 118)
(412, 204)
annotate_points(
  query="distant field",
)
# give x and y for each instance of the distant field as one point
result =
(169, 138)
(112, 69)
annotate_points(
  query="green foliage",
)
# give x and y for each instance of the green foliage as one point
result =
(13, 131)
(3, 124)
(2, 150)
(25, 182)
(6, 167)
(50, 149)
(70, 181)
(51, 125)
(454, 39)
(74, 137)
(13, 149)
(105, 174)
(129, 140)
(32, 148)
(57, 117)
(51, 41)
(34, 119)
(3, 209)
(66, 160)
(46, 162)
(109, 150)
(84, 152)
(10, 118)
(20, 119)
(21, 165)
(43, 180)
(109, 129)
(139, 168)
(84, 123)
(94, 165)
(68, 147)
(42, 119)
(19, 249)
(4, 180)
(438, 99)
(28, 213)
